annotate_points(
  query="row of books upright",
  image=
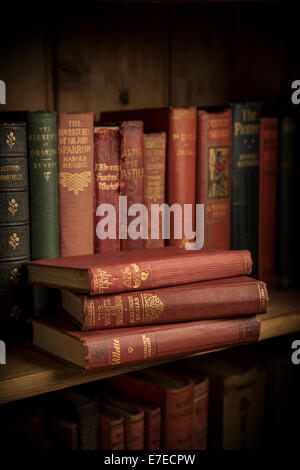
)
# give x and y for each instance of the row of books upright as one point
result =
(240, 399)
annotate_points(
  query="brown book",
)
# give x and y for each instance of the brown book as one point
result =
(175, 398)
(102, 349)
(132, 174)
(214, 175)
(138, 269)
(133, 419)
(154, 182)
(223, 298)
(107, 182)
(236, 399)
(76, 183)
(111, 429)
(180, 124)
(63, 433)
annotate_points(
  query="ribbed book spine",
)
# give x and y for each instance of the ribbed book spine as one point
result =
(154, 182)
(245, 174)
(44, 210)
(107, 182)
(214, 175)
(76, 183)
(14, 227)
(132, 174)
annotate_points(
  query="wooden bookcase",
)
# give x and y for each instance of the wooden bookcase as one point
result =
(113, 55)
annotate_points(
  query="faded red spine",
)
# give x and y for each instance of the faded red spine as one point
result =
(111, 433)
(267, 199)
(107, 180)
(200, 415)
(214, 176)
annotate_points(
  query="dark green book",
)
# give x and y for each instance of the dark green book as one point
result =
(245, 174)
(287, 178)
(14, 228)
(44, 212)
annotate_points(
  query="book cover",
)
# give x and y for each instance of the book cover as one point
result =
(111, 429)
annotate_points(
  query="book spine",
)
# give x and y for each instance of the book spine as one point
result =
(132, 173)
(154, 182)
(175, 304)
(214, 176)
(267, 200)
(152, 429)
(107, 181)
(286, 197)
(111, 434)
(200, 416)
(245, 173)
(168, 341)
(134, 432)
(88, 423)
(44, 211)
(14, 228)
(181, 183)
(154, 273)
(76, 183)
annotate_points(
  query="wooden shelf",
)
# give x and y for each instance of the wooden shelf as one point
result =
(29, 373)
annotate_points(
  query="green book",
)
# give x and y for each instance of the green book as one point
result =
(43, 181)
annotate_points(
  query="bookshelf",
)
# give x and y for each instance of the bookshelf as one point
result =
(29, 372)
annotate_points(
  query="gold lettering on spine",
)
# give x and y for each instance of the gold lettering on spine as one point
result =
(116, 352)
(147, 346)
(133, 276)
(262, 297)
(153, 307)
(89, 307)
(102, 280)
(107, 311)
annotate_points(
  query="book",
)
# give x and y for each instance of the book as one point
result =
(133, 419)
(103, 349)
(63, 433)
(235, 401)
(267, 200)
(214, 150)
(138, 270)
(175, 397)
(224, 298)
(180, 125)
(245, 178)
(76, 183)
(287, 180)
(14, 226)
(44, 210)
(132, 175)
(154, 183)
(107, 182)
(111, 429)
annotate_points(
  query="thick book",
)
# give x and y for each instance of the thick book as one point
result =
(223, 298)
(107, 183)
(245, 178)
(103, 349)
(180, 125)
(111, 429)
(214, 175)
(267, 200)
(287, 195)
(14, 226)
(131, 176)
(44, 210)
(138, 269)
(175, 397)
(154, 184)
(63, 433)
(76, 183)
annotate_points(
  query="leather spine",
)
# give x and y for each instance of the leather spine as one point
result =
(214, 175)
(245, 173)
(107, 180)
(267, 200)
(154, 181)
(200, 415)
(14, 227)
(111, 432)
(76, 183)
(132, 172)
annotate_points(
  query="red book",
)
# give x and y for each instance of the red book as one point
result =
(180, 124)
(154, 180)
(224, 298)
(132, 172)
(76, 183)
(138, 270)
(111, 430)
(107, 181)
(103, 349)
(214, 175)
(267, 199)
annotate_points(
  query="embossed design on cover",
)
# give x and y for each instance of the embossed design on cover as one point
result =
(218, 171)
(15, 275)
(133, 276)
(13, 206)
(75, 182)
(11, 140)
(14, 240)
(154, 306)
(47, 175)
